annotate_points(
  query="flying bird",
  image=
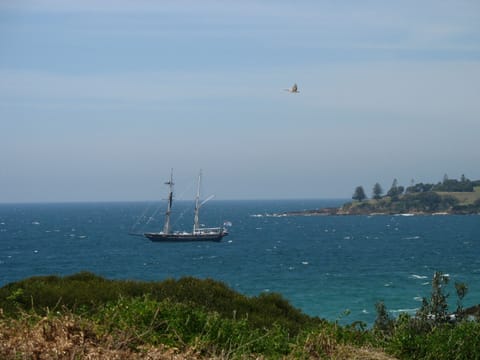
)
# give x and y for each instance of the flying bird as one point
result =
(293, 89)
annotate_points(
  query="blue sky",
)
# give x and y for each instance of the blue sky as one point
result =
(99, 99)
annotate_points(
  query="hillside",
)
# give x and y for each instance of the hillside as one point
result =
(430, 202)
(450, 197)
(86, 316)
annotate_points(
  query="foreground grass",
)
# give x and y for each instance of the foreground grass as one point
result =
(85, 316)
(64, 335)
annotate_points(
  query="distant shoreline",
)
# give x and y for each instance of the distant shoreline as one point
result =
(452, 197)
(338, 212)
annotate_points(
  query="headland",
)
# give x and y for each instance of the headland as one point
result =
(450, 197)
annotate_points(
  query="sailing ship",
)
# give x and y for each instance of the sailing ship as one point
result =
(198, 233)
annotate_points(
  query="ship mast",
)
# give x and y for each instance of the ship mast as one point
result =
(166, 227)
(197, 204)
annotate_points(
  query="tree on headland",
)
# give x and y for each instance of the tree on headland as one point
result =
(395, 190)
(359, 194)
(453, 185)
(419, 188)
(377, 191)
(418, 198)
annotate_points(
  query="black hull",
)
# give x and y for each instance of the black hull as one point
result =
(185, 237)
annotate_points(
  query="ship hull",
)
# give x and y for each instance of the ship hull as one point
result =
(159, 237)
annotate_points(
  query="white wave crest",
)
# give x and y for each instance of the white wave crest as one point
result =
(414, 276)
(410, 311)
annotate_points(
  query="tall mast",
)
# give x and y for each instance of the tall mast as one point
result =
(197, 204)
(166, 227)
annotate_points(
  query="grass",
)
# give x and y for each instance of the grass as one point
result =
(64, 335)
(86, 316)
(86, 292)
(421, 203)
(465, 198)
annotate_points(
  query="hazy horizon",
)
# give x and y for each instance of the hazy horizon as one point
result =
(99, 100)
(160, 200)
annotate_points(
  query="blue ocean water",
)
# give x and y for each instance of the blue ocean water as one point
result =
(325, 265)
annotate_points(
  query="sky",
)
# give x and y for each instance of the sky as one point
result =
(100, 99)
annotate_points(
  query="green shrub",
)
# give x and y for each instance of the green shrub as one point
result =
(85, 292)
(445, 341)
(433, 333)
(213, 320)
(138, 321)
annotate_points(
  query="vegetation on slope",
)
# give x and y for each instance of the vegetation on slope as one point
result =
(85, 292)
(86, 316)
(449, 196)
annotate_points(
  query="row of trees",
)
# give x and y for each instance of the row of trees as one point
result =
(377, 192)
(447, 185)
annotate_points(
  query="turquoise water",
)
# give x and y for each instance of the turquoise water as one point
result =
(322, 265)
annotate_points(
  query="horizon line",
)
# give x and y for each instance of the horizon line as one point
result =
(47, 202)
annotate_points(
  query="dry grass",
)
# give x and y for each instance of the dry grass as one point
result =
(69, 337)
(324, 346)
(347, 352)
(465, 198)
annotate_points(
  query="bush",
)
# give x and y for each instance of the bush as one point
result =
(139, 321)
(206, 318)
(446, 341)
(452, 185)
(85, 292)
(433, 333)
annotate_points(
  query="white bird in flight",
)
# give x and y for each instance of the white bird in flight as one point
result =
(293, 89)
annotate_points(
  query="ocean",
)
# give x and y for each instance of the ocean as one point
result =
(334, 267)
